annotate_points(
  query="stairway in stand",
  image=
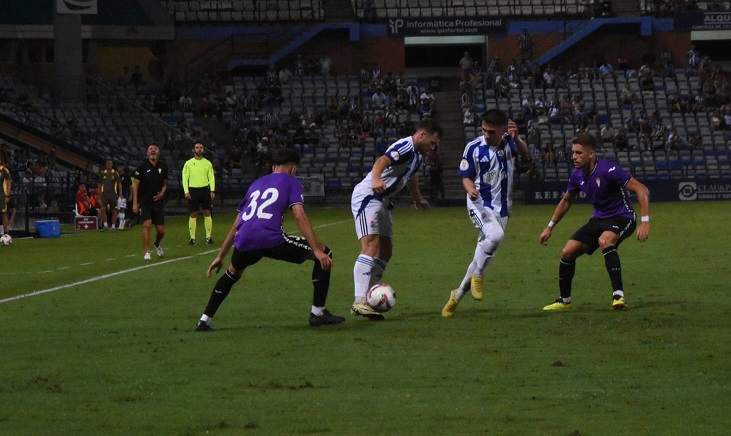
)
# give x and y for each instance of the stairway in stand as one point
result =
(448, 112)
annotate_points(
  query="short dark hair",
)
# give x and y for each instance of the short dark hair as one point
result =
(584, 139)
(431, 127)
(285, 155)
(495, 117)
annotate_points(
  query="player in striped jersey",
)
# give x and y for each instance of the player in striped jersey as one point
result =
(487, 175)
(371, 206)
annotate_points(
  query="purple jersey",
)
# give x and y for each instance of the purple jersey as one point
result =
(262, 211)
(604, 188)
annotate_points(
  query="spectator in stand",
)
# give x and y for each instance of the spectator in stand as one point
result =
(469, 118)
(468, 97)
(607, 133)
(465, 65)
(378, 99)
(666, 61)
(427, 94)
(621, 142)
(285, 75)
(606, 71)
(549, 79)
(726, 111)
(412, 94)
(425, 110)
(555, 117)
(645, 76)
(694, 59)
(717, 122)
(525, 43)
(326, 64)
(627, 96)
(299, 66)
(548, 154)
(185, 104)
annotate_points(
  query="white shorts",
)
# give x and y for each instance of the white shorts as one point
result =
(486, 220)
(371, 216)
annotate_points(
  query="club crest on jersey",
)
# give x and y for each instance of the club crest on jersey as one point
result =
(374, 224)
(395, 156)
(464, 165)
(500, 152)
(598, 182)
(159, 170)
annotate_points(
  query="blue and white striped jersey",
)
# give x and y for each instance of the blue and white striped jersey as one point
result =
(405, 162)
(491, 169)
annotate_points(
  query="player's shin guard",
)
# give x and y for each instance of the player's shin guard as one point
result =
(120, 218)
(320, 282)
(379, 267)
(566, 270)
(220, 292)
(361, 276)
(614, 267)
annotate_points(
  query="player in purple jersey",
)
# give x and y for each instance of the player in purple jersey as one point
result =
(605, 185)
(257, 232)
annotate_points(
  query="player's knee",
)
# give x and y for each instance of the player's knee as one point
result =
(569, 254)
(607, 241)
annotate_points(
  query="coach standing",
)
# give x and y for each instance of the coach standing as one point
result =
(199, 185)
(148, 197)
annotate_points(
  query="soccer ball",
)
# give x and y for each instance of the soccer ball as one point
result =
(381, 297)
(6, 239)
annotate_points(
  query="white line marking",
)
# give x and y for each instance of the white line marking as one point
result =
(86, 264)
(102, 277)
(114, 274)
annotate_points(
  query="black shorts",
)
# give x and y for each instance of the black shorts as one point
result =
(293, 249)
(109, 203)
(200, 198)
(151, 211)
(590, 232)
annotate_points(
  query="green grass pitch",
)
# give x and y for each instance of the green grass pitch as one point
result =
(109, 348)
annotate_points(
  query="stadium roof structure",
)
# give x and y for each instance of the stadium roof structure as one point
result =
(115, 19)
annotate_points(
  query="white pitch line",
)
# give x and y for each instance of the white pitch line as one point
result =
(101, 277)
(114, 274)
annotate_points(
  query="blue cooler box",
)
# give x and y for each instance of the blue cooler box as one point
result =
(48, 228)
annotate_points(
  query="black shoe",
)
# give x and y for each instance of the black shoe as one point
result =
(209, 241)
(325, 318)
(202, 326)
(191, 241)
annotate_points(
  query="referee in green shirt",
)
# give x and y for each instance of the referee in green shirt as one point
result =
(199, 186)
